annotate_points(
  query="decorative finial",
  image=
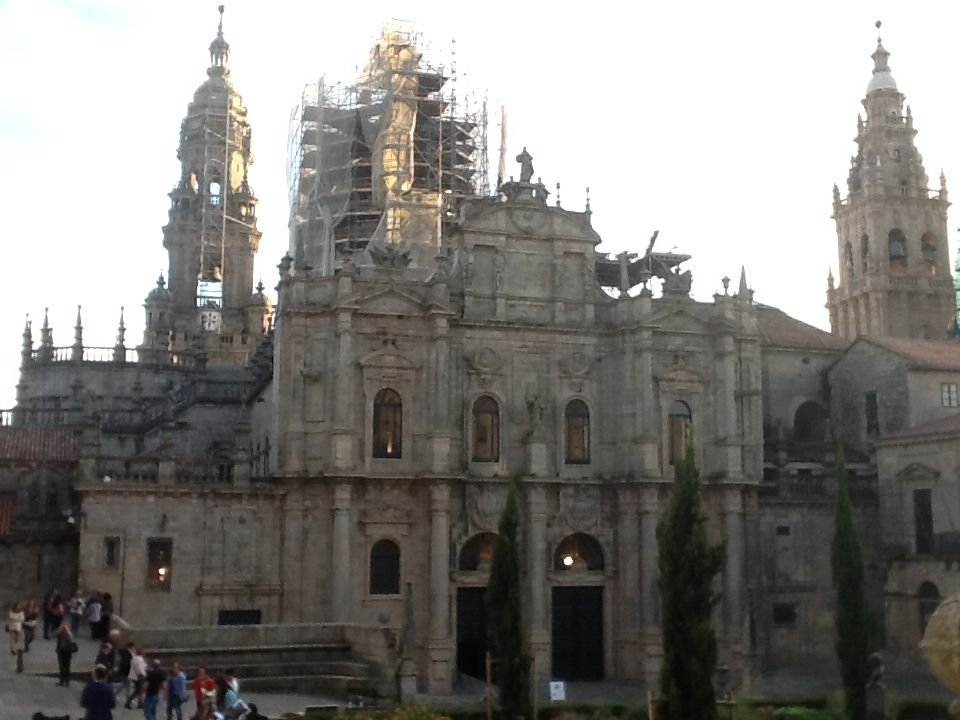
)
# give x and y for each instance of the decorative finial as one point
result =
(46, 318)
(260, 286)
(558, 194)
(121, 331)
(725, 281)
(743, 292)
(877, 25)
(161, 283)
(219, 48)
(587, 208)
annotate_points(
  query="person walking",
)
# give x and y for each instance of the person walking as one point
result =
(177, 693)
(153, 684)
(66, 647)
(15, 627)
(138, 671)
(106, 612)
(31, 617)
(57, 611)
(48, 625)
(121, 671)
(204, 690)
(77, 607)
(94, 614)
(98, 698)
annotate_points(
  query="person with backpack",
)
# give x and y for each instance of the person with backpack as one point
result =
(177, 693)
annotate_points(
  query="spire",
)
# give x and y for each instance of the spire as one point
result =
(882, 77)
(743, 292)
(219, 48)
(120, 349)
(45, 352)
(77, 353)
(831, 283)
(26, 353)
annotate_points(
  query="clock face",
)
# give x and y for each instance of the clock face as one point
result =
(210, 320)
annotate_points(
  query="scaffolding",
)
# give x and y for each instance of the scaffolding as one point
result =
(387, 158)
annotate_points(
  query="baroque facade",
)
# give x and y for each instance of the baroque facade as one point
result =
(344, 457)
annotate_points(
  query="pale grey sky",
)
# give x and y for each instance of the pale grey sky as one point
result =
(723, 125)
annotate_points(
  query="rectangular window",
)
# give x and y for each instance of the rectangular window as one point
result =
(922, 522)
(239, 617)
(784, 615)
(111, 553)
(871, 413)
(159, 563)
(948, 395)
(783, 530)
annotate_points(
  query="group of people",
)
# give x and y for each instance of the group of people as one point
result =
(125, 670)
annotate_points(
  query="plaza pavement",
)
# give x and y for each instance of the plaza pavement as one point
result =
(36, 689)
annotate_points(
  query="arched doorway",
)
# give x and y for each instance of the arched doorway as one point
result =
(577, 616)
(472, 617)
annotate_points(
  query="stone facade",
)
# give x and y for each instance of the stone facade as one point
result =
(344, 457)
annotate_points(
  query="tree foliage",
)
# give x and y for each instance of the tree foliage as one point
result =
(852, 624)
(511, 661)
(688, 565)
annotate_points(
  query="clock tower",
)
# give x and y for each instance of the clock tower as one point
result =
(211, 236)
(891, 228)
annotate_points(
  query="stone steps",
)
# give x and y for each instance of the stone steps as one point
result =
(219, 657)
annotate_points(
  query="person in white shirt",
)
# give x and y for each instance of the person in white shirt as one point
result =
(138, 671)
(15, 627)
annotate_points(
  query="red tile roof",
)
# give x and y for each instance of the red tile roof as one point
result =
(943, 426)
(39, 444)
(924, 354)
(780, 330)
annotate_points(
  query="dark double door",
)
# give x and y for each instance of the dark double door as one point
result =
(472, 631)
(578, 633)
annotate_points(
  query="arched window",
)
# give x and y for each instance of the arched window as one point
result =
(928, 600)
(477, 552)
(898, 246)
(681, 431)
(578, 552)
(576, 419)
(486, 430)
(387, 424)
(385, 568)
(810, 423)
(928, 249)
(864, 252)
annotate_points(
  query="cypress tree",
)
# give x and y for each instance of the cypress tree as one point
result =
(852, 619)
(511, 669)
(688, 565)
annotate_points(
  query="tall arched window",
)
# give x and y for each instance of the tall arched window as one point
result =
(864, 252)
(681, 431)
(387, 424)
(928, 250)
(928, 600)
(898, 247)
(578, 552)
(576, 420)
(486, 430)
(810, 423)
(385, 568)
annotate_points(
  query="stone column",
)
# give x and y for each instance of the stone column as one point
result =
(628, 545)
(733, 581)
(441, 396)
(649, 425)
(649, 596)
(342, 574)
(728, 410)
(537, 560)
(292, 561)
(345, 395)
(440, 643)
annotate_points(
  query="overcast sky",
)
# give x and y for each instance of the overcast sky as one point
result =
(723, 125)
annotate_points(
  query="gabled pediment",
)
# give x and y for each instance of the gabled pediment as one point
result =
(390, 302)
(917, 471)
(678, 320)
(388, 357)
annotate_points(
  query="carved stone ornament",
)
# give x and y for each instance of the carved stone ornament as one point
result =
(484, 363)
(484, 505)
(580, 507)
(576, 363)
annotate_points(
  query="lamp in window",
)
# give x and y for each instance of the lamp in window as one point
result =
(387, 424)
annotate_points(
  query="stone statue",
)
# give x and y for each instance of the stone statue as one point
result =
(534, 412)
(526, 166)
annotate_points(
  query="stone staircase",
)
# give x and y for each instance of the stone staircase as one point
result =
(333, 660)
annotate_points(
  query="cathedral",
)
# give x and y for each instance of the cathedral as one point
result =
(341, 459)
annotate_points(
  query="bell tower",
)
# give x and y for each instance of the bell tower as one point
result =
(891, 228)
(211, 236)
